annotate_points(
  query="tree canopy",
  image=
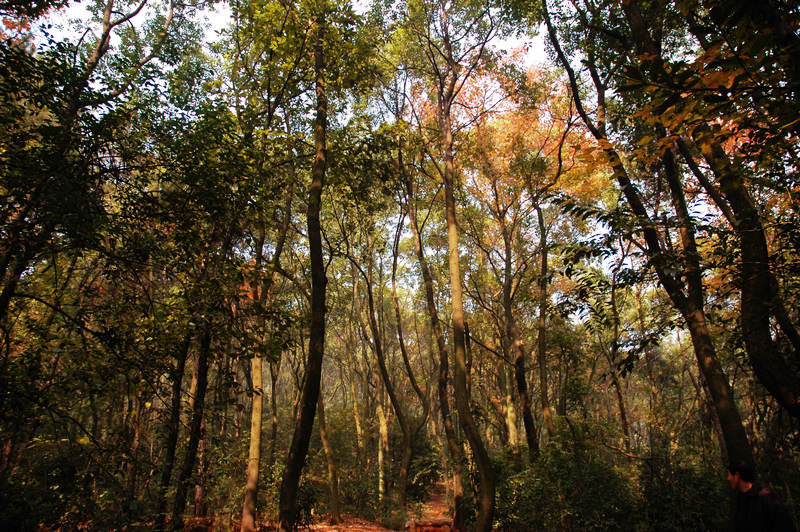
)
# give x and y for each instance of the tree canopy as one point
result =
(335, 261)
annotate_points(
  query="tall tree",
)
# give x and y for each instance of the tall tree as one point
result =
(687, 296)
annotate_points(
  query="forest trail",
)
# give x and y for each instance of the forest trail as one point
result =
(434, 516)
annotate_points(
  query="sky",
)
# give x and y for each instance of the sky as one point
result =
(219, 16)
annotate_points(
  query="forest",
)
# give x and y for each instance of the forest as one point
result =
(320, 261)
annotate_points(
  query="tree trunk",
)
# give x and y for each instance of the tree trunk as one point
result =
(623, 413)
(254, 452)
(195, 427)
(262, 291)
(200, 508)
(274, 369)
(510, 407)
(454, 448)
(487, 488)
(541, 342)
(733, 439)
(759, 294)
(333, 477)
(173, 427)
(410, 431)
(383, 451)
(298, 450)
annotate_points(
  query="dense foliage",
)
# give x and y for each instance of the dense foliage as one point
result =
(332, 258)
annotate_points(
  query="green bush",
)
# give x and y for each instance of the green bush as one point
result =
(681, 498)
(567, 486)
(424, 470)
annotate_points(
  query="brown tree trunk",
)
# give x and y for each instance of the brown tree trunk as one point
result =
(541, 343)
(195, 427)
(454, 448)
(173, 427)
(623, 412)
(200, 508)
(274, 369)
(487, 487)
(759, 294)
(411, 430)
(298, 449)
(333, 477)
(262, 292)
(510, 408)
(254, 452)
(518, 352)
(383, 452)
(690, 304)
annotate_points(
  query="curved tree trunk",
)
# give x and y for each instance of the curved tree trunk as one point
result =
(759, 292)
(412, 431)
(687, 299)
(298, 449)
(487, 487)
(518, 351)
(454, 449)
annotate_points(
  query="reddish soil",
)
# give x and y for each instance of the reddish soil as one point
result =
(435, 516)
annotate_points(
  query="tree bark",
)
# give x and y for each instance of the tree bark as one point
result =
(759, 292)
(333, 477)
(518, 351)
(298, 449)
(623, 412)
(541, 342)
(487, 487)
(195, 427)
(454, 448)
(173, 427)
(733, 438)
(262, 292)
(254, 452)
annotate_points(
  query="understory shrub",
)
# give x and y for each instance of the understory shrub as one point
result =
(566, 487)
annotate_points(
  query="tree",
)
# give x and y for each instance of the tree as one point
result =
(687, 296)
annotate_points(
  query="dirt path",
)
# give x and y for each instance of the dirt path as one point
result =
(434, 510)
(436, 507)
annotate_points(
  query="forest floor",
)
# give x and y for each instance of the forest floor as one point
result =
(434, 510)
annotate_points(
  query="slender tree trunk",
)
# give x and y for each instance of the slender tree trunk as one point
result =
(195, 427)
(383, 451)
(623, 413)
(333, 477)
(518, 351)
(357, 422)
(411, 431)
(262, 291)
(353, 339)
(173, 427)
(454, 448)
(274, 369)
(254, 452)
(516, 345)
(541, 342)
(487, 488)
(316, 342)
(733, 438)
(200, 508)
